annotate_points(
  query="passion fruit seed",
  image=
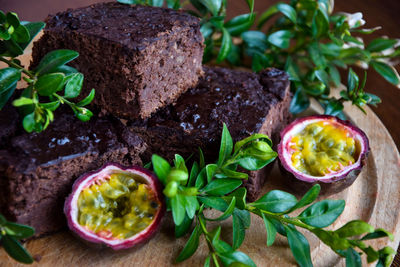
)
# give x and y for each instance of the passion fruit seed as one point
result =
(117, 207)
(322, 148)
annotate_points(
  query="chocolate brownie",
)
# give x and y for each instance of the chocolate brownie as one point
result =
(37, 170)
(138, 58)
(247, 102)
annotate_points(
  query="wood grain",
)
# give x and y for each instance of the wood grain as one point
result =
(374, 197)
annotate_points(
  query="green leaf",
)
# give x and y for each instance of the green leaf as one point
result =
(210, 171)
(29, 122)
(161, 167)
(201, 179)
(8, 78)
(320, 24)
(300, 102)
(227, 173)
(214, 202)
(33, 28)
(308, 197)
(22, 101)
(271, 230)
(13, 48)
(212, 5)
(193, 174)
(158, 3)
(238, 231)
(19, 231)
(240, 24)
(178, 209)
(3, 17)
(221, 246)
(259, 62)
(354, 228)
(299, 246)
(220, 187)
(49, 84)
(271, 11)
(240, 195)
(83, 114)
(352, 81)
(74, 86)
(316, 56)
(12, 18)
(292, 69)
(334, 108)
(67, 70)
(236, 256)
(6, 95)
(255, 39)
(21, 34)
(228, 212)
(226, 146)
(388, 72)
(226, 46)
(191, 246)
(253, 163)
(55, 59)
(331, 239)
(128, 2)
(16, 250)
(191, 205)
(378, 233)
(322, 213)
(288, 11)
(207, 262)
(275, 201)
(353, 259)
(380, 44)
(334, 75)
(183, 228)
(280, 38)
(254, 137)
(4, 34)
(87, 100)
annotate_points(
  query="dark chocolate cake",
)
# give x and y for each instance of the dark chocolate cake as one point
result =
(247, 102)
(138, 58)
(37, 170)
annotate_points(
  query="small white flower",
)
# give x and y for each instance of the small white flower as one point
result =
(354, 20)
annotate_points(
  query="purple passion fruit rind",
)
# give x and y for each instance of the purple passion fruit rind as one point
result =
(331, 183)
(71, 208)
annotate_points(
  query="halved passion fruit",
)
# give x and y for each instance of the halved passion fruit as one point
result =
(116, 206)
(322, 149)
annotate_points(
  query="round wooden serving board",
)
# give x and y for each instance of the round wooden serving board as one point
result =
(374, 197)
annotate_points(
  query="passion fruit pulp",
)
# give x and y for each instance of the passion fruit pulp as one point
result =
(116, 206)
(322, 149)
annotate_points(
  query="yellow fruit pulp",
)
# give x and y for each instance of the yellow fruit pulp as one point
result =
(118, 207)
(322, 148)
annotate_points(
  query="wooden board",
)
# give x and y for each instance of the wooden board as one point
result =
(374, 197)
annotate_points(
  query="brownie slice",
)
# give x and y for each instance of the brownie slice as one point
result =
(247, 102)
(138, 58)
(37, 170)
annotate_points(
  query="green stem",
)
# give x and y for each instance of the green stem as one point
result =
(280, 218)
(206, 235)
(15, 65)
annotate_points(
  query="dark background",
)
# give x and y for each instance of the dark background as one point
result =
(385, 13)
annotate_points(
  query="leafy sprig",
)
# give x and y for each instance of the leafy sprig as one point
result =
(303, 37)
(218, 186)
(46, 81)
(10, 233)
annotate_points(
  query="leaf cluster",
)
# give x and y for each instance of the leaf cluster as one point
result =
(303, 37)
(214, 185)
(52, 79)
(218, 186)
(10, 233)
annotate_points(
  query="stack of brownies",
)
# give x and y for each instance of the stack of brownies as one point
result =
(153, 96)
